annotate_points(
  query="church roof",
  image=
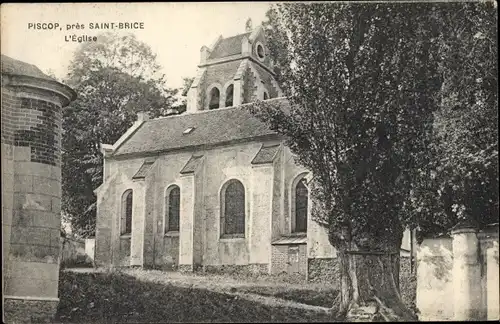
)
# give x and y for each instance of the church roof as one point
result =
(266, 154)
(205, 128)
(291, 239)
(192, 164)
(228, 46)
(143, 170)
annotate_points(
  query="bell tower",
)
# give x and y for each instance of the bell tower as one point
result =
(233, 71)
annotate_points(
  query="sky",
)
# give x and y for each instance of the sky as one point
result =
(174, 31)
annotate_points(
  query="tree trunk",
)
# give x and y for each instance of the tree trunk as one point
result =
(370, 287)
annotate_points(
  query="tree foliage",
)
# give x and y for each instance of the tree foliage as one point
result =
(186, 84)
(361, 80)
(380, 111)
(461, 182)
(114, 78)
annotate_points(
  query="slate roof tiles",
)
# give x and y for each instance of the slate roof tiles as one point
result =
(223, 125)
(228, 46)
(266, 154)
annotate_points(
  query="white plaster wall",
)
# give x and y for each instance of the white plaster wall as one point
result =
(138, 221)
(492, 283)
(90, 248)
(292, 171)
(126, 170)
(186, 240)
(434, 279)
(260, 219)
(222, 165)
(318, 245)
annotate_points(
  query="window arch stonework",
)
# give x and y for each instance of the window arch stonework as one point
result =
(299, 204)
(126, 212)
(214, 96)
(229, 96)
(172, 209)
(233, 209)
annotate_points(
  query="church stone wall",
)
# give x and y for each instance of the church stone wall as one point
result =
(292, 171)
(219, 74)
(112, 247)
(262, 39)
(261, 213)
(267, 82)
(249, 93)
(164, 174)
(223, 164)
(278, 194)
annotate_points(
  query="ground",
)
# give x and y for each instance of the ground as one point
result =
(136, 295)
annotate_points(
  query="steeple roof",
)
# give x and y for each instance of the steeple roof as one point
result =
(228, 46)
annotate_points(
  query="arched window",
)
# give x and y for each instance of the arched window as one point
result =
(229, 96)
(172, 209)
(299, 208)
(126, 219)
(266, 96)
(214, 98)
(233, 209)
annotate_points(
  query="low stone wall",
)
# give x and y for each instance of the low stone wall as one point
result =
(122, 259)
(245, 269)
(407, 282)
(324, 270)
(328, 270)
(90, 248)
(434, 281)
(73, 253)
(185, 268)
(289, 259)
(457, 276)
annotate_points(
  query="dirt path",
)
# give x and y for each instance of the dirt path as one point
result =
(211, 280)
(229, 286)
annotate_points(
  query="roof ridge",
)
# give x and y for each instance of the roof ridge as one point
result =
(237, 35)
(211, 110)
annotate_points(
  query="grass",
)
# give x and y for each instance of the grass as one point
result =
(107, 297)
(285, 287)
(305, 296)
(137, 295)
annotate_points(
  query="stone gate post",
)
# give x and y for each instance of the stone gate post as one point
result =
(493, 300)
(466, 274)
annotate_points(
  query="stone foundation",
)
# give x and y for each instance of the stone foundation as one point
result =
(328, 269)
(29, 310)
(185, 268)
(261, 268)
(324, 270)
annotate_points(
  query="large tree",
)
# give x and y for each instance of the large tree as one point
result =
(115, 77)
(363, 82)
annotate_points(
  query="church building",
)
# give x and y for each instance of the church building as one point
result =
(212, 189)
